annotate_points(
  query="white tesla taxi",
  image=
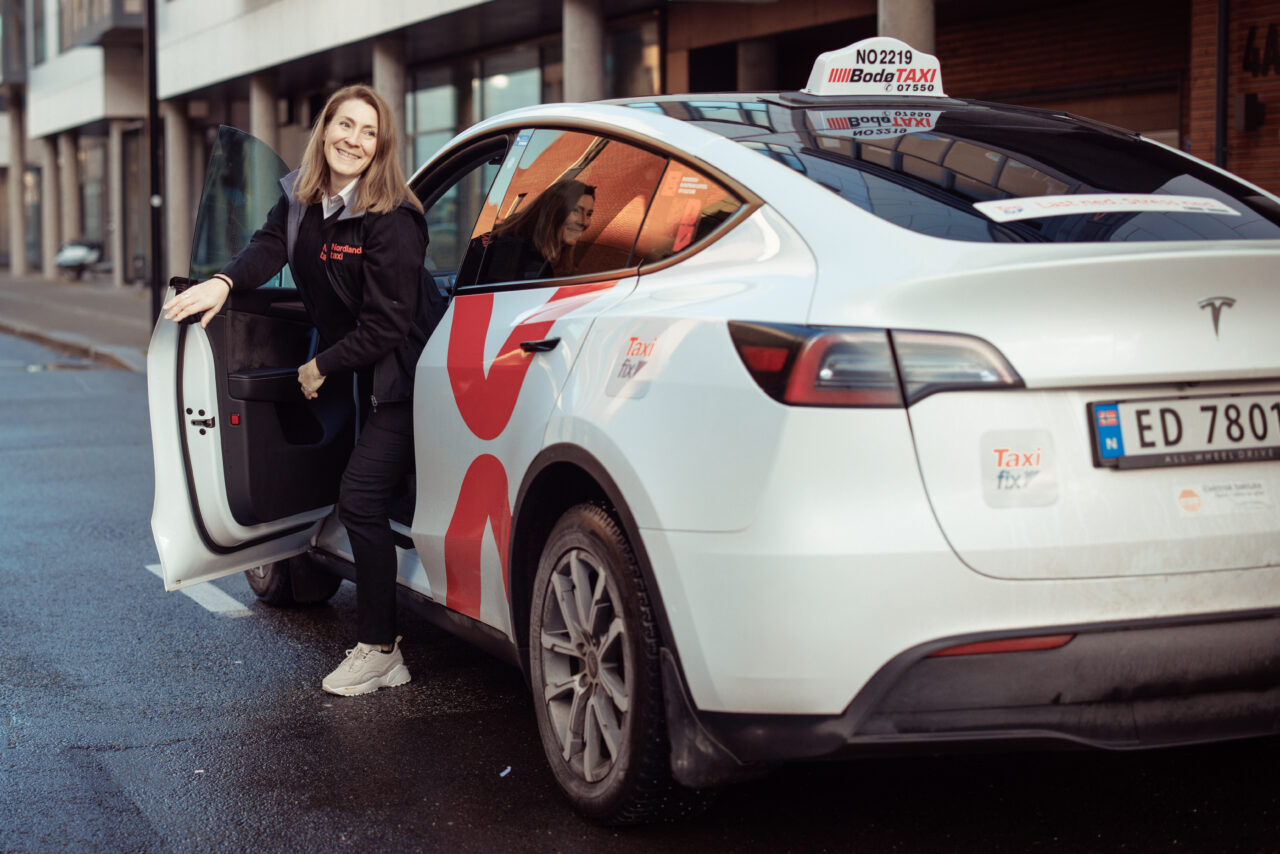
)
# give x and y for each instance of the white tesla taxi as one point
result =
(858, 417)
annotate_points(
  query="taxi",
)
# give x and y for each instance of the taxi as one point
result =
(856, 418)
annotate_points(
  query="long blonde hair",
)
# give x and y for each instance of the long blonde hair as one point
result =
(382, 184)
(540, 221)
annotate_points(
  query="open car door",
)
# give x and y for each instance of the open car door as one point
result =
(245, 467)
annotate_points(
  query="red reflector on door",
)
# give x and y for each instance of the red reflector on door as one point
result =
(1006, 645)
(235, 419)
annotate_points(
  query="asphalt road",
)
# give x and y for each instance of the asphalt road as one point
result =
(135, 720)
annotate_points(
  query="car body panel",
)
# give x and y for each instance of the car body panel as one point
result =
(657, 365)
(473, 382)
(801, 556)
(187, 557)
(1072, 519)
(214, 398)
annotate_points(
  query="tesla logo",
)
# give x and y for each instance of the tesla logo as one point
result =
(1216, 304)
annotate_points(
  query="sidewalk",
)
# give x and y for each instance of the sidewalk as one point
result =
(90, 317)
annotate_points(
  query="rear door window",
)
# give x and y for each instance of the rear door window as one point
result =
(565, 204)
(689, 207)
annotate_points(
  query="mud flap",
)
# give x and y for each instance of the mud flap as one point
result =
(698, 761)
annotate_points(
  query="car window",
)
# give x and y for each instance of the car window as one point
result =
(990, 173)
(572, 205)
(242, 185)
(689, 207)
(453, 205)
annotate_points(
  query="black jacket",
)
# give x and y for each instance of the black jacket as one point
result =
(502, 259)
(374, 263)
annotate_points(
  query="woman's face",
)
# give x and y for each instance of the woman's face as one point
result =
(350, 141)
(579, 220)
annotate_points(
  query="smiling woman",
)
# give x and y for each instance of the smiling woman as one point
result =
(354, 239)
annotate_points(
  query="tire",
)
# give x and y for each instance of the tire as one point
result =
(594, 665)
(293, 581)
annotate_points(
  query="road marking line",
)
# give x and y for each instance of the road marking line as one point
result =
(208, 597)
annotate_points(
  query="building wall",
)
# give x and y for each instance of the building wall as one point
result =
(202, 42)
(1253, 154)
(1123, 63)
(66, 91)
(697, 25)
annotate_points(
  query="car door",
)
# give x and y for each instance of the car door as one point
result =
(245, 467)
(489, 378)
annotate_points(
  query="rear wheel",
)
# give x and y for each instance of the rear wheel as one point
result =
(292, 581)
(593, 658)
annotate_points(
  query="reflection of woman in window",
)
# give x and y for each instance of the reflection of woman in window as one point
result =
(538, 240)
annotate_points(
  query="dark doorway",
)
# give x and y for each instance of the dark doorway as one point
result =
(798, 49)
(714, 68)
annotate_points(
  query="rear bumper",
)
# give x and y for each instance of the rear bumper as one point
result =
(1116, 686)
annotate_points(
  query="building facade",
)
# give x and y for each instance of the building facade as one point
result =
(1201, 75)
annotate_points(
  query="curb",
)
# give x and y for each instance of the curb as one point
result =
(121, 358)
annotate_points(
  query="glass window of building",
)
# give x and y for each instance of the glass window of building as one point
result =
(431, 114)
(632, 59)
(92, 156)
(509, 80)
(444, 99)
(38, 37)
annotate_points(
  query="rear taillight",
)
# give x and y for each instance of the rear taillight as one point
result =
(940, 361)
(851, 366)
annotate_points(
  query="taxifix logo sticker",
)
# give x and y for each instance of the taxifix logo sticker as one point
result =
(1019, 468)
(640, 354)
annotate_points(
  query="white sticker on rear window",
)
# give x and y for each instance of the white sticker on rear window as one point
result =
(1217, 499)
(1034, 207)
(1019, 468)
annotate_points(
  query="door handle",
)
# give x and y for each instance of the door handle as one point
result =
(543, 346)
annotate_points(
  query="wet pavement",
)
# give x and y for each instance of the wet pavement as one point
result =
(137, 720)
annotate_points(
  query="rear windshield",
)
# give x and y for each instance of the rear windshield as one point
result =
(987, 174)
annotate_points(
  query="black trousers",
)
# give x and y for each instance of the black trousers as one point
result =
(382, 457)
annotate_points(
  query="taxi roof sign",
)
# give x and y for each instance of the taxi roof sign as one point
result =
(876, 66)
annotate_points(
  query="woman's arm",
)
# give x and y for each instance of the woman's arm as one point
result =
(395, 247)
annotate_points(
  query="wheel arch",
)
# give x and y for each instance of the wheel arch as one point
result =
(561, 476)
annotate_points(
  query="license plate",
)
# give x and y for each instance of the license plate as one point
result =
(1186, 431)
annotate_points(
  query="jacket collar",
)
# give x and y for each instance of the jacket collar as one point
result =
(288, 182)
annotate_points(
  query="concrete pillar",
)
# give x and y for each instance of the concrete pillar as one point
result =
(50, 209)
(115, 202)
(757, 65)
(912, 21)
(69, 185)
(177, 188)
(583, 50)
(388, 80)
(17, 168)
(263, 122)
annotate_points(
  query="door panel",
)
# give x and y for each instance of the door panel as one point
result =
(489, 379)
(246, 468)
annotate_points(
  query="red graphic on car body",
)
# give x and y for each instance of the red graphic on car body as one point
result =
(486, 401)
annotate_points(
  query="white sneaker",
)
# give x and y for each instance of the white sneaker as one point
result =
(367, 668)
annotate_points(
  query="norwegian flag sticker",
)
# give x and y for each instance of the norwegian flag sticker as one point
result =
(1106, 417)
